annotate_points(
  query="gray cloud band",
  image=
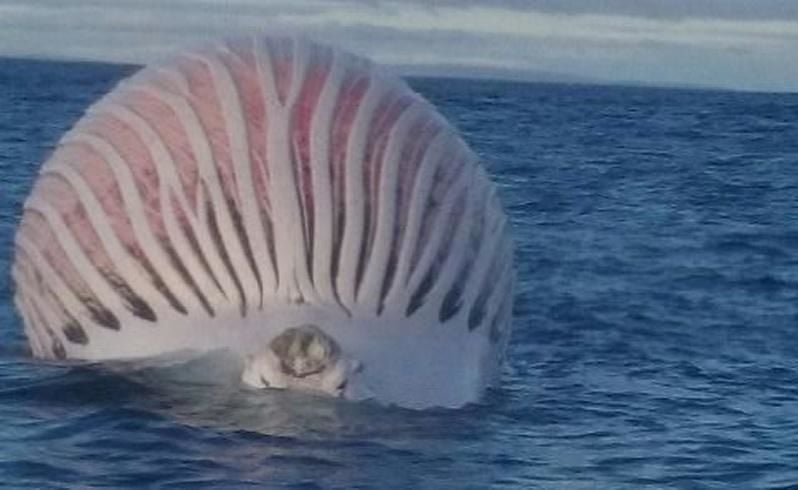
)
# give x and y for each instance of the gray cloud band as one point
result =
(658, 46)
(784, 10)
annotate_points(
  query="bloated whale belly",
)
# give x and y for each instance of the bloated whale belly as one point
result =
(232, 192)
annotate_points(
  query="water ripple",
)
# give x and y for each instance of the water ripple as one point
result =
(654, 342)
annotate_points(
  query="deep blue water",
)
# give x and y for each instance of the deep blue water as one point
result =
(654, 344)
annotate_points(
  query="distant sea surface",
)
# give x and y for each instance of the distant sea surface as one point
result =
(655, 338)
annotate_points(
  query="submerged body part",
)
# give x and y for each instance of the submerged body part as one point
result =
(232, 193)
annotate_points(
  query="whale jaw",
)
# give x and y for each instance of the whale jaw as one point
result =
(301, 358)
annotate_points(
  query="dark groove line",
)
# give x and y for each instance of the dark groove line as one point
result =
(307, 239)
(156, 280)
(56, 346)
(496, 333)
(440, 256)
(338, 188)
(306, 202)
(393, 255)
(300, 299)
(135, 303)
(402, 214)
(309, 216)
(217, 240)
(100, 314)
(73, 330)
(24, 267)
(417, 299)
(486, 291)
(453, 300)
(375, 153)
(192, 240)
(430, 213)
(35, 335)
(371, 201)
(365, 249)
(477, 242)
(186, 276)
(390, 273)
(268, 230)
(247, 246)
(232, 207)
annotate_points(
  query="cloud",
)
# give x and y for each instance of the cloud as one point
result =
(656, 9)
(674, 41)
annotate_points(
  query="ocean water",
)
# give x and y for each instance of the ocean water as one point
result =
(655, 338)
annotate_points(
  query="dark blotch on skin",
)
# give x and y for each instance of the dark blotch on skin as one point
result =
(487, 289)
(136, 303)
(74, 333)
(417, 300)
(58, 349)
(73, 330)
(452, 302)
(476, 315)
(100, 314)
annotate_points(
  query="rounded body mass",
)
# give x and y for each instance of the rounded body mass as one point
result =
(235, 192)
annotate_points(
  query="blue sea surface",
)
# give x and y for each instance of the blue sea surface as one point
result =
(655, 340)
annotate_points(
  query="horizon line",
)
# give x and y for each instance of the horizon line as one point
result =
(464, 72)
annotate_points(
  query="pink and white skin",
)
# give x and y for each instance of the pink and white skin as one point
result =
(269, 186)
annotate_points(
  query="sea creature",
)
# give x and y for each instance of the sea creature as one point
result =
(280, 198)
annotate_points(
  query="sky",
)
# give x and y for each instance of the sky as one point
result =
(738, 44)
